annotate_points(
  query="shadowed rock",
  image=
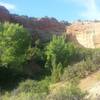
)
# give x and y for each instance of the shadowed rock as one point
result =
(4, 14)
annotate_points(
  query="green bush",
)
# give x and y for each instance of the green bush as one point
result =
(29, 90)
(71, 92)
(96, 57)
(84, 53)
(62, 51)
(56, 71)
(80, 70)
(33, 86)
(38, 53)
(14, 44)
(25, 92)
(23, 96)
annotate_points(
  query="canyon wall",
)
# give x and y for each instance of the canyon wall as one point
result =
(87, 34)
(42, 28)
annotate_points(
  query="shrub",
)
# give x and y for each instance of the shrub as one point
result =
(38, 53)
(23, 96)
(29, 90)
(96, 57)
(33, 86)
(62, 51)
(80, 70)
(71, 92)
(56, 71)
(14, 44)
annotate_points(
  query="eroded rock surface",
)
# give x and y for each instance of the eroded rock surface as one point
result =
(86, 34)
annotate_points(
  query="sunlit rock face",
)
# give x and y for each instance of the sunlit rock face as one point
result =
(87, 34)
(4, 14)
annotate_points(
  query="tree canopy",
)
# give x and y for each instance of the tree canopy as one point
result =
(14, 44)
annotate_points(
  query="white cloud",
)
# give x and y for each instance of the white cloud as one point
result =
(8, 5)
(91, 9)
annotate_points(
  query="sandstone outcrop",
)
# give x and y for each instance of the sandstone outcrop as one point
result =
(86, 34)
(43, 27)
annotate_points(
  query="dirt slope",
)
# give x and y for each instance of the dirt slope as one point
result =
(87, 34)
(91, 84)
(88, 82)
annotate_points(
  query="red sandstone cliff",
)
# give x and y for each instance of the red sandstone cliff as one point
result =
(43, 27)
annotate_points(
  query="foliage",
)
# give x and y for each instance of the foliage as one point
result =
(62, 61)
(62, 51)
(56, 71)
(84, 53)
(14, 44)
(33, 86)
(80, 69)
(70, 92)
(38, 52)
(29, 90)
(23, 96)
(96, 57)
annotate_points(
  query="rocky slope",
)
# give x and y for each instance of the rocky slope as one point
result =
(86, 34)
(91, 84)
(43, 27)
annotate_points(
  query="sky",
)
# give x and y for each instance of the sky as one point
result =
(69, 10)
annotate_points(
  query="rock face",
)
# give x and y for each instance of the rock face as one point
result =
(42, 24)
(43, 27)
(4, 14)
(86, 34)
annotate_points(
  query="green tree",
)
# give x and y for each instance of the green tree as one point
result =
(62, 51)
(15, 41)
